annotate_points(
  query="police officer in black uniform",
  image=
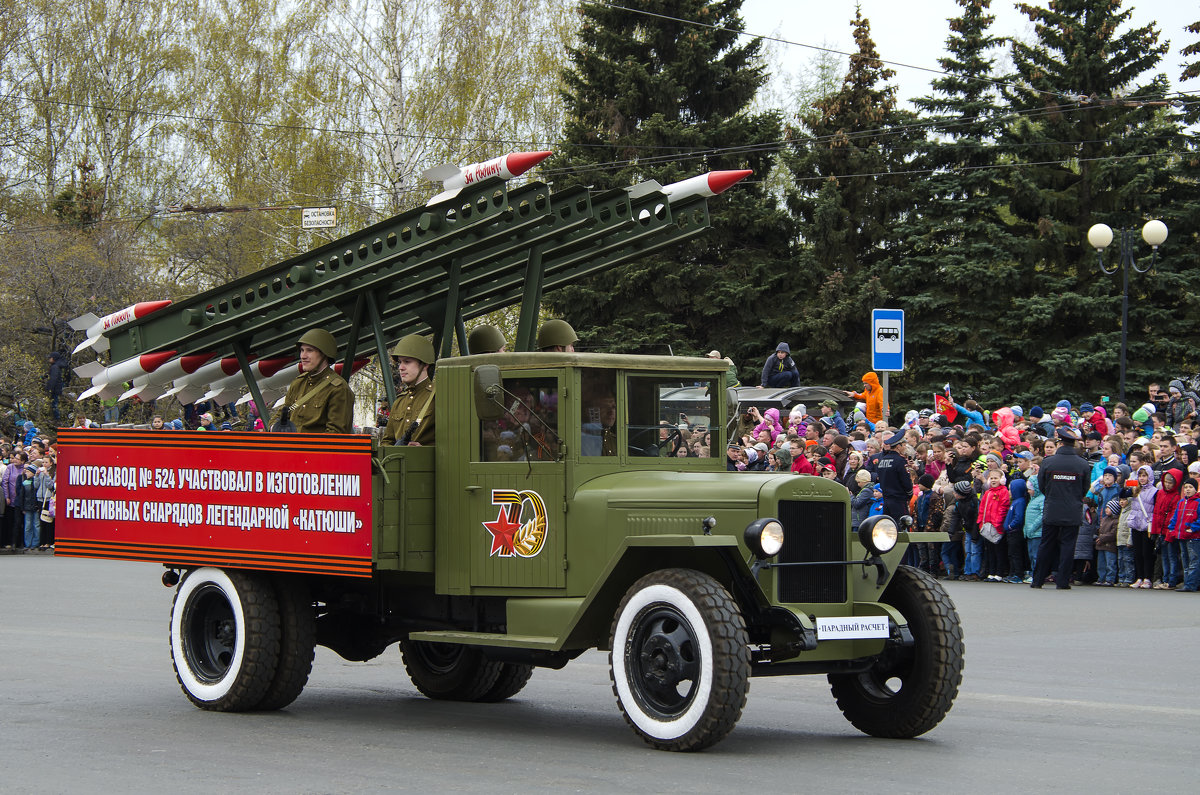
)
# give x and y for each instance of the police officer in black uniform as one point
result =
(1064, 478)
(894, 479)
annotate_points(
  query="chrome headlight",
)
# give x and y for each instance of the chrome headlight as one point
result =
(764, 537)
(878, 534)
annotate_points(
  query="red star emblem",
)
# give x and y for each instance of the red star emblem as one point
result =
(503, 530)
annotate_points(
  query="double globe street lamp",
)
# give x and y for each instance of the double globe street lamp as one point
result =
(1100, 236)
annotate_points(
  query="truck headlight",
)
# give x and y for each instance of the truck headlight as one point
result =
(764, 537)
(878, 534)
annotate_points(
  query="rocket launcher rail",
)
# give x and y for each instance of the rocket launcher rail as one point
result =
(430, 268)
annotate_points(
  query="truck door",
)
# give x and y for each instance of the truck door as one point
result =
(516, 513)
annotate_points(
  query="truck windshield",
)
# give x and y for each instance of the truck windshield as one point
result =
(669, 416)
(529, 431)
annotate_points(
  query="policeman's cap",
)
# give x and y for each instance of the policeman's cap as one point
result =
(1068, 434)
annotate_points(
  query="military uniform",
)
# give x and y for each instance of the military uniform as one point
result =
(327, 407)
(405, 411)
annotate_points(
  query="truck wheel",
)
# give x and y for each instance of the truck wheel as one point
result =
(298, 640)
(908, 690)
(224, 639)
(512, 679)
(679, 663)
(449, 671)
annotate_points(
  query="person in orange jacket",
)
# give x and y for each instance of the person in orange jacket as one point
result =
(872, 394)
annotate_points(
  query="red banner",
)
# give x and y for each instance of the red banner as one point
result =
(944, 407)
(281, 501)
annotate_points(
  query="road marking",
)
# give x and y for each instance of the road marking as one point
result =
(1039, 701)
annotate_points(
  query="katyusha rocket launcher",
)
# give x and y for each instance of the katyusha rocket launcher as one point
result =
(491, 245)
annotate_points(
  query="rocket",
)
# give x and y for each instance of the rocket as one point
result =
(709, 184)
(224, 389)
(706, 185)
(454, 179)
(188, 388)
(153, 385)
(96, 326)
(109, 382)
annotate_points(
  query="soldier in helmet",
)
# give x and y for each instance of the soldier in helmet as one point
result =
(486, 338)
(319, 400)
(411, 418)
(557, 335)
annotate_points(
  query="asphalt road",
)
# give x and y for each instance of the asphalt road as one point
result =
(1090, 690)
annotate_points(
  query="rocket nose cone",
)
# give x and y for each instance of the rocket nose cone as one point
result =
(719, 181)
(143, 308)
(520, 162)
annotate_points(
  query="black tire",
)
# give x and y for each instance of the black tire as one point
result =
(908, 690)
(224, 638)
(512, 679)
(297, 643)
(680, 664)
(449, 671)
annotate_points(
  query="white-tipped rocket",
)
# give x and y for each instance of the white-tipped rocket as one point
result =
(109, 382)
(225, 389)
(96, 326)
(189, 388)
(709, 184)
(454, 179)
(154, 385)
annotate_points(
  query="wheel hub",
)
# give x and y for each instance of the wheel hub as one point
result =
(664, 660)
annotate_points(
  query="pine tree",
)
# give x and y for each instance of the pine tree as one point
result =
(1092, 145)
(665, 95)
(959, 281)
(848, 196)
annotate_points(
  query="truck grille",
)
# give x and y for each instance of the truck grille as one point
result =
(812, 531)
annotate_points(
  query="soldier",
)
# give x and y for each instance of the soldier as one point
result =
(412, 417)
(318, 400)
(557, 335)
(486, 338)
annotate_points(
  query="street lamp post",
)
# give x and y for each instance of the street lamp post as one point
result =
(1100, 236)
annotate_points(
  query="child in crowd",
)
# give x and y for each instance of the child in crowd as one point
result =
(1180, 532)
(1141, 509)
(1106, 543)
(1165, 502)
(1014, 524)
(1032, 529)
(929, 510)
(1189, 539)
(1125, 571)
(961, 522)
(993, 508)
(860, 506)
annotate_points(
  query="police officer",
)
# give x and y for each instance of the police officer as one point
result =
(1064, 478)
(318, 400)
(486, 338)
(557, 335)
(894, 479)
(412, 416)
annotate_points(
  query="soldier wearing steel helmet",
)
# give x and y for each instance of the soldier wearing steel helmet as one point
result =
(557, 335)
(486, 338)
(411, 418)
(318, 400)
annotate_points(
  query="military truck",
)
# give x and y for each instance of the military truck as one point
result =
(554, 514)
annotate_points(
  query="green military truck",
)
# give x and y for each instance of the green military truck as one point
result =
(554, 514)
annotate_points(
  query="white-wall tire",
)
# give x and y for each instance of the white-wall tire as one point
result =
(680, 664)
(225, 638)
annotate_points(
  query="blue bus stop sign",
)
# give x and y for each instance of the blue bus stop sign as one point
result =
(887, 340)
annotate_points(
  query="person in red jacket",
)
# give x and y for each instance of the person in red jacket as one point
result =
(1179, 532)
(993, 508)
(1165, 502)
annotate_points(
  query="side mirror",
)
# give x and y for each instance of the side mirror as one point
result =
(489, 403)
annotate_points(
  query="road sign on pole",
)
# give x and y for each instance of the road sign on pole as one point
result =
(887, 340)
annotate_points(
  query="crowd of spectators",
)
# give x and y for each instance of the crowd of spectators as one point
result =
(974, 475)
(27, 479)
